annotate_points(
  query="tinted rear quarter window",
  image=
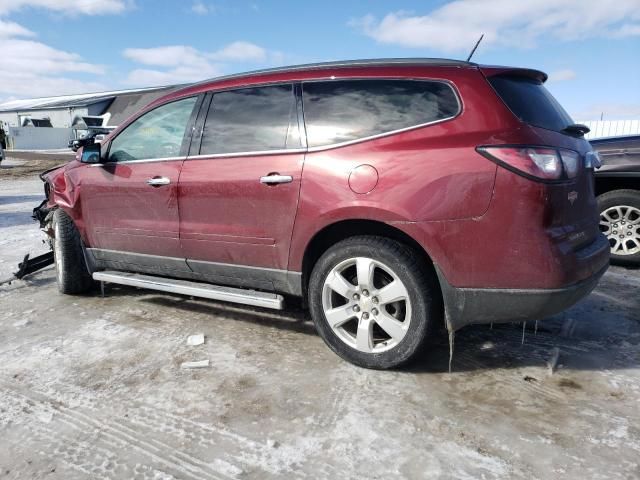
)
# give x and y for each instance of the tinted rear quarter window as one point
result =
(345, 110)
(531, 102)
(251, 120)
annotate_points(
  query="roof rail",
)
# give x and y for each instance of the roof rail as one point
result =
(371, 62)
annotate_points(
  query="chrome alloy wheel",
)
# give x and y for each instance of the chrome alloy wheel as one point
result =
(366, 305)
(621, 225)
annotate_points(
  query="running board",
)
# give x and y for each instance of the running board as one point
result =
(195, 289)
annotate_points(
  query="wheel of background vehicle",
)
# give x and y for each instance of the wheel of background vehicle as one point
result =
(372, 302)
(620, 222)
(71, 267)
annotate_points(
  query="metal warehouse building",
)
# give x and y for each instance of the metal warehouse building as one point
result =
(51, 122)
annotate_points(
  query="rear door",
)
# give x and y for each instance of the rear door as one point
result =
(239, 187)
(130, 202)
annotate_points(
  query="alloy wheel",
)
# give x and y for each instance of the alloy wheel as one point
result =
(621, 225)
(366, 305)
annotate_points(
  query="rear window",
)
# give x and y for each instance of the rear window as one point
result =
(531, 102)
(251, 120)
(346, 110)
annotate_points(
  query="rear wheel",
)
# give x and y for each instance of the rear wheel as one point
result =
(620, 222)
(373, 302)
(71, 268)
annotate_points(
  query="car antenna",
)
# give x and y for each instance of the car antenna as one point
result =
(474, 48)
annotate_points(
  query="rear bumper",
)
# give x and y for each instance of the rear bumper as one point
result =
(465, 306)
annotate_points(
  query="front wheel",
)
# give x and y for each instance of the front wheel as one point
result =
(620, 222)
(71, 268)
(373, 302)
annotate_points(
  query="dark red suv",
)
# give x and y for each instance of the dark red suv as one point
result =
(388, 194)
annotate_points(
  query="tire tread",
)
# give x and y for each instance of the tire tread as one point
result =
(76, 278)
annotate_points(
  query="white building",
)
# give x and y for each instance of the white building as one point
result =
(50, 122)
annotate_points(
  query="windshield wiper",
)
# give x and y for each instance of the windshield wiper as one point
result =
(576, 128)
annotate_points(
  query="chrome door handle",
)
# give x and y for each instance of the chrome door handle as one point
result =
(275, 178)
(158, 181)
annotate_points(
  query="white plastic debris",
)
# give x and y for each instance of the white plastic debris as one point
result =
(193, 340)
(197, 364)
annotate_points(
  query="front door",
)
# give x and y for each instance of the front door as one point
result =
(239, 189)
(130, 202)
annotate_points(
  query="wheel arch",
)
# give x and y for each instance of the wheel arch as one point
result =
(343, 229)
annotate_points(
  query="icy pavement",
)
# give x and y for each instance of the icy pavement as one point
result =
(92, 388)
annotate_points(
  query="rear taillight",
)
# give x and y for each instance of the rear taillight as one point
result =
(539, 163)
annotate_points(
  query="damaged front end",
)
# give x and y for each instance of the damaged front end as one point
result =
(43, 214)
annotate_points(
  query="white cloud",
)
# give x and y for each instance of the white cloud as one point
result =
(201, 8)
(11, 29)
(32, 68)
(169, 56)
(562, 75)
(71, 7)
(183, 63)
(149, 77)
(457, 25)
(240, 52)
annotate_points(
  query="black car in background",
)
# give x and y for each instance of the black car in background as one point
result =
(618, 191)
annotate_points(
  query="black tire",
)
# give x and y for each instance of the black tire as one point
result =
(421, 286)
(71, 267)
(622, 198)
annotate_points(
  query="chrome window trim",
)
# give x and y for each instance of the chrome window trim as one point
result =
(450, 84)
(248, 154)
(142, 160)
(319, 148)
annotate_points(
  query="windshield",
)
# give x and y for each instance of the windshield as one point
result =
(531, 102)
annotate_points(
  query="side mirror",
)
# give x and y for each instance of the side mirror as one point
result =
(91, 153)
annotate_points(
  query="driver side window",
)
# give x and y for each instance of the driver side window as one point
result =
(156, 134)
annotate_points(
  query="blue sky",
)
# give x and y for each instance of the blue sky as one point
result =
(590, 48)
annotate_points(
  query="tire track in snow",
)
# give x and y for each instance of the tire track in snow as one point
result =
(186, 465)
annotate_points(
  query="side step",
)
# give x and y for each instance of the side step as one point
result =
(196, 289)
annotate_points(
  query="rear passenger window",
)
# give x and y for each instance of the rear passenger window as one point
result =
(341, 111)
(251, 120)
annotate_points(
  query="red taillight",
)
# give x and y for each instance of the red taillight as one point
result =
(541, 163)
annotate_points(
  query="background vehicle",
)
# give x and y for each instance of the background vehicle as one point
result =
(1, 154)
(429, 186)
(618, 191)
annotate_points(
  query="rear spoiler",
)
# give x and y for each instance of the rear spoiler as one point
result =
(492, 71)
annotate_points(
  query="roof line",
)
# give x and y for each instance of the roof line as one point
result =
(436, 62)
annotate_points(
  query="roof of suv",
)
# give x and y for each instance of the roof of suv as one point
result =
(371, 62)
(363, 63)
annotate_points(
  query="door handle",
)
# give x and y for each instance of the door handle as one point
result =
(275, 178)
(158, 181)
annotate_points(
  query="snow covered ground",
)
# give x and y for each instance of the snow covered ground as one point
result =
(92, 387)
